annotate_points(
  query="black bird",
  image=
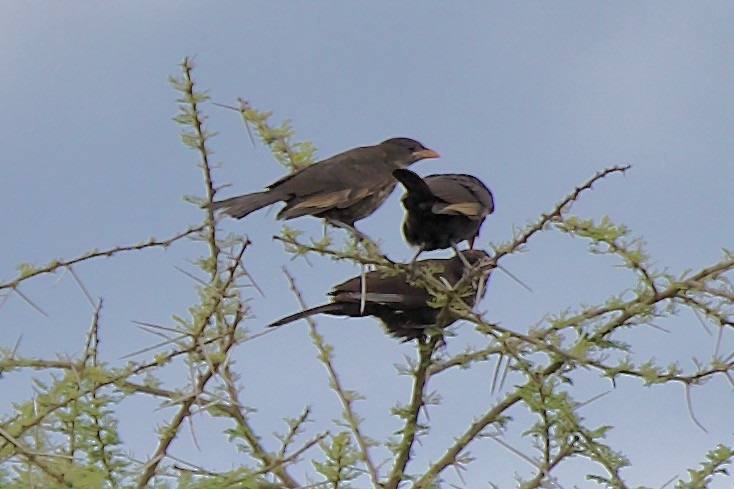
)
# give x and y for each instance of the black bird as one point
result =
(443, 210)
(402, 306)
(342, 189)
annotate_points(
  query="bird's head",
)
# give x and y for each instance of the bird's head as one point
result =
(407, 151)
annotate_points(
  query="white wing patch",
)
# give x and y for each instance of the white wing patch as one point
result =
(375, 297)
(469, 209)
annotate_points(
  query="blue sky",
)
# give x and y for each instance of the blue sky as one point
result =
(531, 97)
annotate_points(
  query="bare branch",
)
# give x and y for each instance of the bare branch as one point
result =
(56, 264)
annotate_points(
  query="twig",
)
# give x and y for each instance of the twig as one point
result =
(92, 343)
(56, 264)
(34, 458)
(293, 429)
(544, 471)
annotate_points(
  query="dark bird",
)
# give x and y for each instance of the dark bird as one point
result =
(443, 210)
(400, 302)
(342, 189)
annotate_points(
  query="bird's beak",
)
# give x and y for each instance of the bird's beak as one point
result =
(425, 153)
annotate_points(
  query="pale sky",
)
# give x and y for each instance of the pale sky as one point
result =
(532, 98)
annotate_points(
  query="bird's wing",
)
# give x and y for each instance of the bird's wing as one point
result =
(318, 201)
(382, 290)
(463, 194)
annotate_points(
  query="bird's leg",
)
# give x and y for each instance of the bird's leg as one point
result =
(415, 257)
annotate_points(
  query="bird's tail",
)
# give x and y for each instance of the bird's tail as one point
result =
(326, 308)
(242, 205)
(413, 184)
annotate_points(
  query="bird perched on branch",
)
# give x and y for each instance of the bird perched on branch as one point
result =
(401, 301)
(342, 189)
(443, 210)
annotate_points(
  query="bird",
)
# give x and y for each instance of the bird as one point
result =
(342, 189)
(443, 210)
(401, 301)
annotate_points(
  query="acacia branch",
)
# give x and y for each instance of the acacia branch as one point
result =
(56, 264)
(557, 211)
(189, 115)
(410, 428)
(198, 141)
(35, 458)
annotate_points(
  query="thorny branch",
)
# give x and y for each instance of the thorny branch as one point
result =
(557, 212)
(197, 140)
(426, 347)
(56, 264)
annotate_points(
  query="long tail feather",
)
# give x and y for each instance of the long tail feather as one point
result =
(242, 205)
(326, 308)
